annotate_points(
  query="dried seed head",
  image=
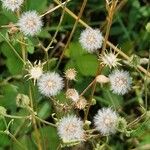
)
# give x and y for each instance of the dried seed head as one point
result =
(72, 94)
(144, 61)
(70, 74)
(12, 28)
(81, 103)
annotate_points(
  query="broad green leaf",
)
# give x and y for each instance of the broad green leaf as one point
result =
(44, 110)
(4, 139)
(37, 5)
(87, 64)
(75, 50)
(30, 46)
(49, 138)
(13, 63)
(8, 99)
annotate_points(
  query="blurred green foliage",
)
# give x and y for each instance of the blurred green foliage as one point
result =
(129, 31)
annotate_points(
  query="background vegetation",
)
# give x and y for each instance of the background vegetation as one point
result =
(128, 32)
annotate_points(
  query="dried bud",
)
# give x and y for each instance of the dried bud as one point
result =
(144, 61)
(72, 94)
(70, 74)
(22, 100)
(13, 28)
(102, 79)
(2, 111)
(81, 103)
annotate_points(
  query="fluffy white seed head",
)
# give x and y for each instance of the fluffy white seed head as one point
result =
(12, 4)
(120, 82)
(30, 23)
(105, 121)
(72, 94)
(70, 128)
(91, 39)
(70, 74)
(50, 84)
(109, 59)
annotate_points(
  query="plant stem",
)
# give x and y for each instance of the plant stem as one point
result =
(55, 8)
(12, 48)
(72, 32)
(108, 43)
(34, 121)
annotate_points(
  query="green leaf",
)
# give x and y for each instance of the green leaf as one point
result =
(30, 46)
(13, 63)
(75, 50)
(49, 138)
(8, 99)
(108, 98)
(44, 110)
(36, 5)
(87, 64)
(4, 140)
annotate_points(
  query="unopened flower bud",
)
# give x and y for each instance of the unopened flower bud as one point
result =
(72, 94)
(93, 101)
(70, 74)
(87, 124)
(22, 100)
(2, 111)
(121, 124)
(102, 79)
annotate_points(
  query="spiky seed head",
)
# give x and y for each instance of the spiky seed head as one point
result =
(109, 59)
